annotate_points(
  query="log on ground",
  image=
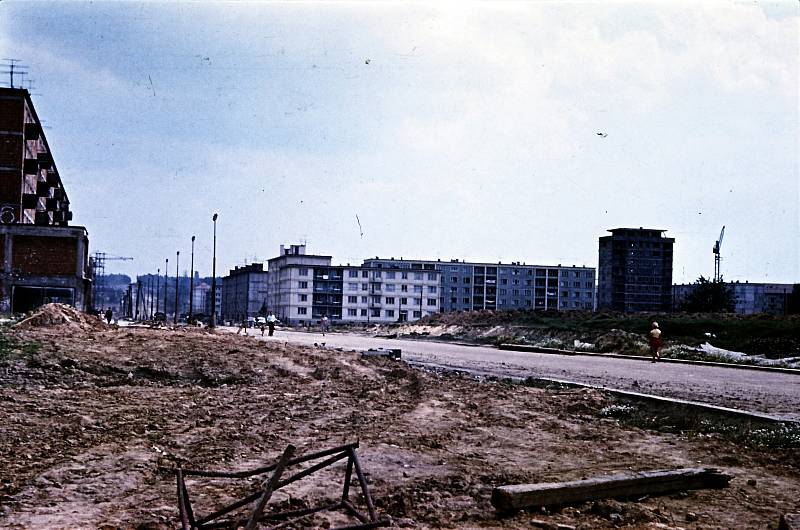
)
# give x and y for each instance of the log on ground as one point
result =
(625, 485)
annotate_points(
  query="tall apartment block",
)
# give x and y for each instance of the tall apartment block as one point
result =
(469, 286)
(43, 259)
(635, 270)
(244, 292)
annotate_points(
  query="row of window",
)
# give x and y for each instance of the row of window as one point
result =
(375, 312)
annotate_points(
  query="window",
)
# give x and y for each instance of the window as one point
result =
(364, 300)
(516, 282)
(465, 300)
(432, 276)
(431, 301)
(302, 285)
(404, 301)
(376, 299)
(303, 272)
(390, 275)
(503, 281)
(417, 301)
(376, 274)
(363, 312)
(352, 286)
(364, 287)
(301, 310)
(454, 269)
(454, 279)
(352, 299)
(467, 280)
(404, 275)
(466, 290)
(365, 274)
(453, 301)
(352, 312)
(515, 292)
(527, 292)
(390, 300)
(304, 298)
(404, 288)
(389, 287)
(352, 274)
(417, 288)
(454, 289)
(417, 275)
(375, 312)
(576, 284)
(588, 285)
(501, 291)
(432, 289)
(502, 302)
(417, 314)
(390, 312)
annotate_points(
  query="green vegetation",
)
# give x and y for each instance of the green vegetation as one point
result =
(710, 296)
(11, 348)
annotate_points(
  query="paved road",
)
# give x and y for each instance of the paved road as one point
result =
(777, 394)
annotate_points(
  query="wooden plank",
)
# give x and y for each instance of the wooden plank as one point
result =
(630, 484)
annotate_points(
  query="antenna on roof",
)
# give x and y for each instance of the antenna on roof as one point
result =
(12, 68)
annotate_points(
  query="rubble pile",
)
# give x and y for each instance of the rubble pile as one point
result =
(50, 315)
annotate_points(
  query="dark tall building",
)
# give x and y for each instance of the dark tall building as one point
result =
(635, 270)
(41, 258)
(31, 191)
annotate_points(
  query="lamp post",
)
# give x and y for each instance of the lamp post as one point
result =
(158, 289)
(191, 284)
(214, 276)
(166, 277)
(177, 259)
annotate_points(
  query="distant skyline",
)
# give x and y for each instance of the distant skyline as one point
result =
(478, 131)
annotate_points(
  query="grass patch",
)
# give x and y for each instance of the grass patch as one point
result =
(12, 348)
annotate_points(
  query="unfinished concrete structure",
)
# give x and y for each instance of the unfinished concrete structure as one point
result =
(44, 260)
(244, 292)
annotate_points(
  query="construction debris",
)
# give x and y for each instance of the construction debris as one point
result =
(50, 315)
(392, 353)
(625, 485)
(189, 521)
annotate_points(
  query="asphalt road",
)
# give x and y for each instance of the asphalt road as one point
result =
(773, 393)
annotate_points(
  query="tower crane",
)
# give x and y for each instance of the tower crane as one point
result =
(717, 257)
(97, 261)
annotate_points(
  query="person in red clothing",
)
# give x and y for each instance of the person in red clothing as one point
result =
(655, 342)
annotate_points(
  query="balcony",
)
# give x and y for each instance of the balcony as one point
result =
(31, 166)
(29, 201)
(42, 189)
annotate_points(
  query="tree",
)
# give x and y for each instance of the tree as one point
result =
(709, 296)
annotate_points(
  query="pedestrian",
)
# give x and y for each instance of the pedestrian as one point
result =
(242, 326)
(271, 320)
(324, 323)
(109, 315)
(262, 329)
(655, 342)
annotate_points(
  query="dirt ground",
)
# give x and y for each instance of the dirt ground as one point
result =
(90, 414)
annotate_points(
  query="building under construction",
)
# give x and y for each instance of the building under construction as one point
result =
(44, 259)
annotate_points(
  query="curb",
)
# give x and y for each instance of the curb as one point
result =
(705, 407)
(556, 351)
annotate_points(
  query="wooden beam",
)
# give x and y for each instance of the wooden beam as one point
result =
(631, 484)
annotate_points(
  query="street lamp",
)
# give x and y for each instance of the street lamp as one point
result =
(158, 289)
(166, 277)
(191, 284)
(177, 259)
(214, 276)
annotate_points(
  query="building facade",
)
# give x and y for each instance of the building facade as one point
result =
(635, 270)
(244, 292)
(751, 298)
(31, 191)
(470, 286)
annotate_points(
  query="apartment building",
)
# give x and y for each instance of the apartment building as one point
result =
(244, 292)
(303, 288)
(751, 298)
(43, 259)
(469, 286)
(635, 270)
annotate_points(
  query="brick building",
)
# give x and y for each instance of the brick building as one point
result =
(43, 259)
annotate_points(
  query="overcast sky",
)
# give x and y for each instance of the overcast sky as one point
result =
(451, 130)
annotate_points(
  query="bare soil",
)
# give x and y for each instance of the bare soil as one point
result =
(90, 415)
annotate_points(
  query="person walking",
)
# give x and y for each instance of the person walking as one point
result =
(655, 342)
(271, 320)
(242, 326)
(109, 315)
(324, 323)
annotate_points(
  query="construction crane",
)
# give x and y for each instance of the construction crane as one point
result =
(97, 262)
(717, 257)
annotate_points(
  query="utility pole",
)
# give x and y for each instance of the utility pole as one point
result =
(191, 284)
(177, 259)
(158, 287)
(214, 276)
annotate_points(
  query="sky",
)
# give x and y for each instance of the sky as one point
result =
(478, 131)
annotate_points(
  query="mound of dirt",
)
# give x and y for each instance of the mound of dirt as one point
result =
(60, 315)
